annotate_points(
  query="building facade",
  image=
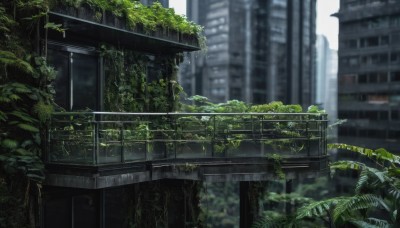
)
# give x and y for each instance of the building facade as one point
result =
(258, 51)
(326, 78)
(369, 73)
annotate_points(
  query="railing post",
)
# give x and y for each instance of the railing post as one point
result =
(48, 141)
(175, 134)
(213, 137)
(308, 135)
(95, 141)
(146, 146)
(122, 138)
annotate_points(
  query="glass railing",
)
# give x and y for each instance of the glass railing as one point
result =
(107, 138)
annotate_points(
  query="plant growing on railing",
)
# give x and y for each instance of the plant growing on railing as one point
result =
(287, 132)
(74, 137)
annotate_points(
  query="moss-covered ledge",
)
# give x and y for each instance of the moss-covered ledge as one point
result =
(131, 17)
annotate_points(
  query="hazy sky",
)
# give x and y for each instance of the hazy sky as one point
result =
(326, 24)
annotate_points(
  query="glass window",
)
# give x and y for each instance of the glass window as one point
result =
(84, 81)
(76, 84)
(395, 76)
(362, 78)
(60, 61)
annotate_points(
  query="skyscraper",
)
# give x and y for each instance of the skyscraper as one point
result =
(369, 73)
(258, 51)
(326, 78)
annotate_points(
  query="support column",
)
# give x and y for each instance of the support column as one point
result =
(288, 190)
(245, 215)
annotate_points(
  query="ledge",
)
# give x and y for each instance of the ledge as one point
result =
(78, 30)
(214, 170)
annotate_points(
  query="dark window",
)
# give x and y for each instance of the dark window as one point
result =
(369, 41)
(84, 81)
(348, 79)
(394, 134)
(60, 61)
(372, 78)
(372, 115)
(395, 115)
(363, 133)
(395, 76)
(362, 78)
(76, 83)
(236, 93)
(394, 57)
(382, 77)
(383, 58)
(383, 115)
(384, 40)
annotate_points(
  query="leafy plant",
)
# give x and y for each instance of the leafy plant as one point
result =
(376, 196)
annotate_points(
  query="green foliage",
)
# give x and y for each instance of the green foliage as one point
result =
(150, 17)
(10, 59)
(126, 85)
(26, 100)
(377, 192)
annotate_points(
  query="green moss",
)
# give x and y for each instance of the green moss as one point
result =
(151, 17)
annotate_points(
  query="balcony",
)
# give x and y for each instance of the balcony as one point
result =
(99, 149)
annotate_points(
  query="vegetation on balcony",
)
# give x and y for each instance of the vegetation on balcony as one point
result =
(98, 138)
(132, 15)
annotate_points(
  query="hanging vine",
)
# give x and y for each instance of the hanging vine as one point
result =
(26, 103)
(135, 82)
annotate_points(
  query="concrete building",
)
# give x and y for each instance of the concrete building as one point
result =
(258, 51)
(326, 77)
(369, 73)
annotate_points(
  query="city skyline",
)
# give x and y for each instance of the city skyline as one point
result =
(326, 24)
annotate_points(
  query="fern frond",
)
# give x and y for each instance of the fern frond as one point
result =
(371, 223)
(344, 207)
(394, 192)
(362, 181)
(317, 209)
(379, 154)
(347, 165)
(9, 58)
(267, 222)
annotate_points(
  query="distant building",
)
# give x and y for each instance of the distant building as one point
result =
(165, 3)
(258, 51)
(326, 77)
(369, 73)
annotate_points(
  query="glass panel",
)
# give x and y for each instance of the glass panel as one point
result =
(59, 60)
(84, 71)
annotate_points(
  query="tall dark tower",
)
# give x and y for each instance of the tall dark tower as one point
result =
(369, 73)
(258, 51)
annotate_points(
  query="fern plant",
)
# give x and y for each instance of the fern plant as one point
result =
(375, 201)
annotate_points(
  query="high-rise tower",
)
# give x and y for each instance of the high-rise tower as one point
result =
(369, 73)
(258, 51)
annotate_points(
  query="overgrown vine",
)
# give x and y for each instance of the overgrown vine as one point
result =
(26, 103)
